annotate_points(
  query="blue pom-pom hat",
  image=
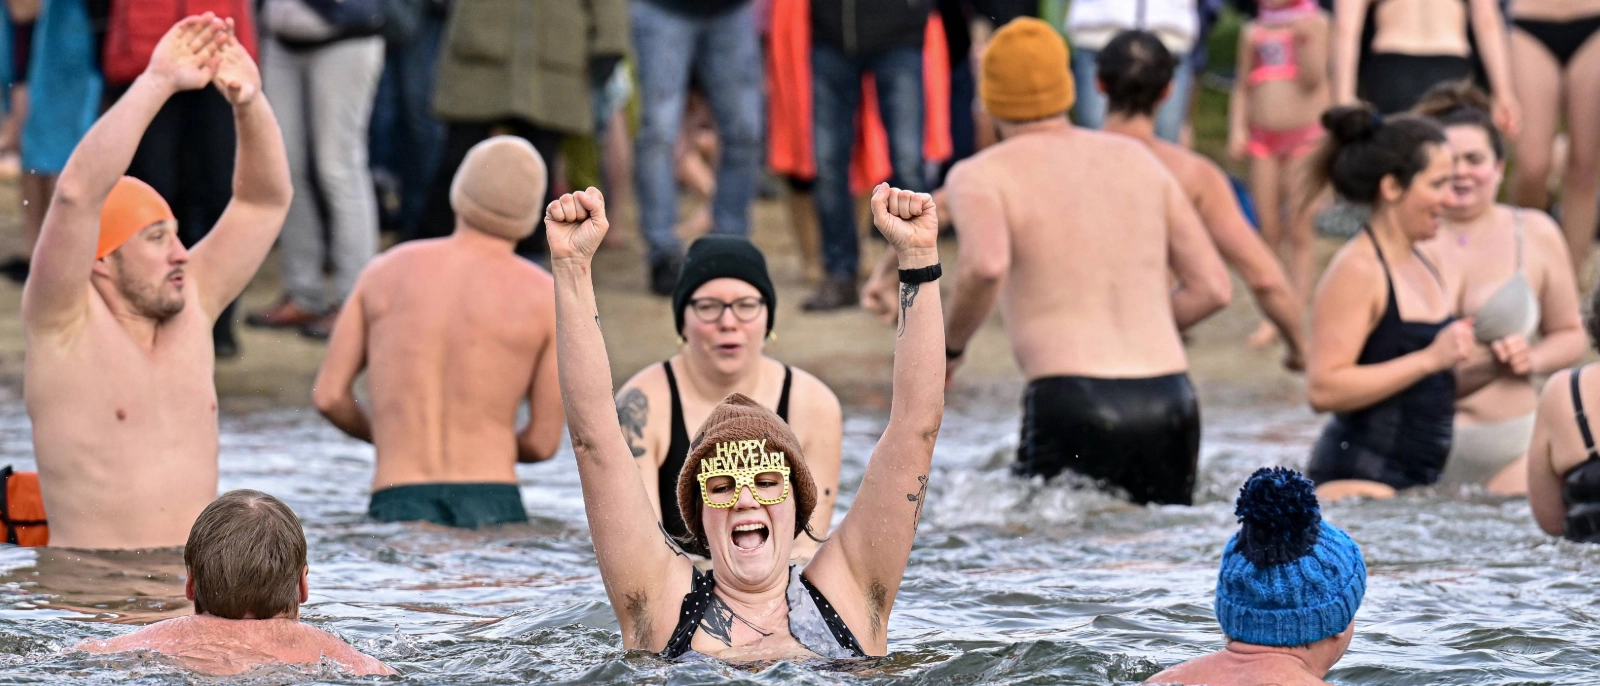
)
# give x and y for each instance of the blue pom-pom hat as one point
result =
(1287, 578)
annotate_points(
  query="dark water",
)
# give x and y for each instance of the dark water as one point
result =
(1010, 582)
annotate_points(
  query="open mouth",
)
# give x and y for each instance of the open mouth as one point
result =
(749, 536)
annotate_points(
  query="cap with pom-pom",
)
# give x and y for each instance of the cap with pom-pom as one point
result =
(1287, 578)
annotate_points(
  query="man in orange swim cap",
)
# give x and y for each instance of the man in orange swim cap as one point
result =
(118, 314)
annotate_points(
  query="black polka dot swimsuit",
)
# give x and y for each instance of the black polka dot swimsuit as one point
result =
(812, 620)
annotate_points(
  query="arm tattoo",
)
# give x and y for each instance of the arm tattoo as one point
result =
(633, 412)
(718, 621)
(671, 544)
(908, 296)
(919, 497)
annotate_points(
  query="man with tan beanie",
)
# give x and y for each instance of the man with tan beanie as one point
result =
(454, 333)
(1076, 232)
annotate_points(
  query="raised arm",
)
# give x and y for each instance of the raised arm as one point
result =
(983, 257)
(1349, 16)
(640, 568)
(862, 564)
(55, 296)
(227, 258)
(1204, 286)
(538, 441)
(1243, 248)
(334, 390)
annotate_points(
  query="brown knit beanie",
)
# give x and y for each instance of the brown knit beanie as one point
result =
(499, 188)
(737, 419)
(1025, 72)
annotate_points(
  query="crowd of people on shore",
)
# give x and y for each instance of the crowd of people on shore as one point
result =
(1427, 337)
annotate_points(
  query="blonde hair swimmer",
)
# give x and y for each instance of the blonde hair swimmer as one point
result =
(753, 604)
(246, 566)
(117, 312)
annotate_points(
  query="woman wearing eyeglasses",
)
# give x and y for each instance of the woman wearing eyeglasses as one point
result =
(724, 306)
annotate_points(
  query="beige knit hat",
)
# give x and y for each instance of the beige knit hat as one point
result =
(736, 419)
(499, 188)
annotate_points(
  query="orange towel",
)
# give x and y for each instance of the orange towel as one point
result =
(23, 520)
(790, 148)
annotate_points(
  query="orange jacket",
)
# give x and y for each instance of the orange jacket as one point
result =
(790, 150)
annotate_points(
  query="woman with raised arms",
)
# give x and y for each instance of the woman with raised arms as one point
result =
(745, 491)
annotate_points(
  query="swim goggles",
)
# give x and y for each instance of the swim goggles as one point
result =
(743, 464)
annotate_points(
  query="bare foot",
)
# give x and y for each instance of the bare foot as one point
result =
(1263, 337)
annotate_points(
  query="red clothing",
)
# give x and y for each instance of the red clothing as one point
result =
(790, 147)
(136, 26)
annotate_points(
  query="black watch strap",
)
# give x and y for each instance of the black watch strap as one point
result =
(923, 275)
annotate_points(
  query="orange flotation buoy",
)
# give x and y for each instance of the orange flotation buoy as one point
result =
(22, 509)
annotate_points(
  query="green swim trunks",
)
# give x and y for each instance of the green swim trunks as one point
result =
(467, 506)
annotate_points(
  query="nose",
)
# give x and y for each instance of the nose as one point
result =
(747, 499)
(180, 254)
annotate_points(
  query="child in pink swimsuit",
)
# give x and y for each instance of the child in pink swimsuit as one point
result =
(1278, 99)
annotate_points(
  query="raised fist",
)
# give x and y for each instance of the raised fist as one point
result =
(907, 219)
(576, 223)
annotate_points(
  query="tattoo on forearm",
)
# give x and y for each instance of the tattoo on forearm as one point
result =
(633, 412)
(908, 296)
(919, 497)
(718, 621)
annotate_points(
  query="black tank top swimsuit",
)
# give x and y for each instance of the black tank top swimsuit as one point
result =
(678, 451)
(1580, 488)
(1403, 440)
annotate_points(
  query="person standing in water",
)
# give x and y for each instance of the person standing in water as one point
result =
(745, 492)
(1135, 74)
(1384, 346)
(1563, 461)
(1287, 593)
(454, 333)
(1076, 232)
(1272, 121)
(1514, 279)
(725, 307)
(246, 573)
(118, 377)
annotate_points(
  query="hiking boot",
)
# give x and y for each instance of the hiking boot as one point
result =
(322, 328)
(664, 275)
(284, 315)
(836, 292)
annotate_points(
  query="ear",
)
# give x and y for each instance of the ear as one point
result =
(102, 266)
(1100, 85)
(188, 587)
(1389, 189)
(305, 585)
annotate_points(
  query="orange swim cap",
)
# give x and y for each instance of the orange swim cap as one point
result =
(131, 206)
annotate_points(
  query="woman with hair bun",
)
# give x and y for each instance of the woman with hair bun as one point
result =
(1514, 281)
(1384, 346)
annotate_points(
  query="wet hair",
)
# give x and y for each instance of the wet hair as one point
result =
(1460, 103)
(1135, 69)
(245, 554)
(1363, 146)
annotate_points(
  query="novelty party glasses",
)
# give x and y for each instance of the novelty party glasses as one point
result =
(743, 464)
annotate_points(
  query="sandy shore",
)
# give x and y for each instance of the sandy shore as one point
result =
(850, 350)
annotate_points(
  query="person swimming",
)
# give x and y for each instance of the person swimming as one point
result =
(725, 310)
(247, 577)
(1513, 277)
(1287, 592)
(454, 334)
(1386, 371)
(1563, 460)
(745, 491)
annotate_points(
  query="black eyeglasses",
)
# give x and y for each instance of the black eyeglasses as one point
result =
(709, 310)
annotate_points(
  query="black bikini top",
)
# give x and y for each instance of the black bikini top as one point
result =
(1580, 487)
(812, 619)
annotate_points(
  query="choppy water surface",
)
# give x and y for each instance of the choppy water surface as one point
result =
(1010, 582)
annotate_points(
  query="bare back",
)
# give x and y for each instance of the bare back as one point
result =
(1087, 292)
(454, 334)
(125, 439)
(1223, 668)
(1421, 27)
(226, 647)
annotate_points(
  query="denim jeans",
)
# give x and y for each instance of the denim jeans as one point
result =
(405, 139)
(1090, 112)
(724, 51)
(836, 96)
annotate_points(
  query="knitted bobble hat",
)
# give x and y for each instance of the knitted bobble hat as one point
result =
(1287, 578)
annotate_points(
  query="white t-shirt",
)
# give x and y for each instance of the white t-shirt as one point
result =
(1091, 24)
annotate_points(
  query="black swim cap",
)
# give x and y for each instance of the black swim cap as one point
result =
(716, 257)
